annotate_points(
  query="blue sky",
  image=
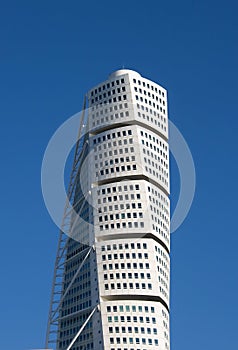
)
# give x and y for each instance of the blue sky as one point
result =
(51, 53)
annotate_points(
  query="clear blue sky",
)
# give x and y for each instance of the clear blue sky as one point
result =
(51, 52)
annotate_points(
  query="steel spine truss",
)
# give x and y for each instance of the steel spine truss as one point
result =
(57, 294)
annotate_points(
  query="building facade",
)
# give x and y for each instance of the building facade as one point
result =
(116, 273)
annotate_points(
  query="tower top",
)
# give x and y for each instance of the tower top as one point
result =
(119, 72)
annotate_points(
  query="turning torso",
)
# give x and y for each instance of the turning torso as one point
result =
(116, 273)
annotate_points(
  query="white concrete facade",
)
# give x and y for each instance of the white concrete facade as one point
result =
(129, 125)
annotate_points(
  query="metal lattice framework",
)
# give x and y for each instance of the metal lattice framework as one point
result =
(57, 293)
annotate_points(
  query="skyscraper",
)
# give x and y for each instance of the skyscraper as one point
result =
(111, 279)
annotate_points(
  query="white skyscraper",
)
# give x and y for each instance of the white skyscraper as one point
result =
(111, 282)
